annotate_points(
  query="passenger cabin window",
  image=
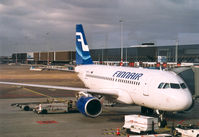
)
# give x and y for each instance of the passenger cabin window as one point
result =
(160, 85)
(175, 86)
(183, 86)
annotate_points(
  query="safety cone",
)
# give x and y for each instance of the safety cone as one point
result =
(118, 132)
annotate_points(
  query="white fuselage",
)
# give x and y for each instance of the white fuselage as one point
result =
(137, 86)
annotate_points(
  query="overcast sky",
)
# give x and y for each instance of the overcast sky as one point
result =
(49, 25)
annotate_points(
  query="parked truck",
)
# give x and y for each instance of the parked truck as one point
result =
(139, 123)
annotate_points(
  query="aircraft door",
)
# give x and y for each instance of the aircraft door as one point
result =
(146, 90)
(148, 86)
(115, 83)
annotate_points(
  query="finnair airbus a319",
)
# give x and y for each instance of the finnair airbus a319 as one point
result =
(157, 90)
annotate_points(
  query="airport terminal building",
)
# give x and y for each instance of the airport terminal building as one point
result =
(186, 53)
(145, 53)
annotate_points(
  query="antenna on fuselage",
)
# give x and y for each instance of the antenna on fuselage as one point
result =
(161, 68)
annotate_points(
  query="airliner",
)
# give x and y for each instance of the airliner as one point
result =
(156, 91)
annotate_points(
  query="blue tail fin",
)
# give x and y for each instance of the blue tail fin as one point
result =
(82, 50)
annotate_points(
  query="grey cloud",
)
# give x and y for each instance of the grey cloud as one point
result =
(34, 25)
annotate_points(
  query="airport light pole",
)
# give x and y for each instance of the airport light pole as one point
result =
(176, 57)
(71, 56)
(105, 46)
(102, 55)
(16, 58)
(121, 39)
(48, 59)
(126, 54)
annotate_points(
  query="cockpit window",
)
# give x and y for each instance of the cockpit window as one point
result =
(172, 85)
(161, 85)
(166, 85)
(183, 86)
(175, 86)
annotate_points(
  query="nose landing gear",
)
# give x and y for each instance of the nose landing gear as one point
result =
(150, 112)
(161, 119)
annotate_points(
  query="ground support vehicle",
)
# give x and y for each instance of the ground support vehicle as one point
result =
(140, 123)
(187, 131)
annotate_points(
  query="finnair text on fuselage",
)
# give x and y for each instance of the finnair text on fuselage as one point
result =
(127, 75)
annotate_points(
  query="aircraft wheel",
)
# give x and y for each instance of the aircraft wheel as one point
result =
(44, 111)
(128, 131)
(26, 108)
(162, 123)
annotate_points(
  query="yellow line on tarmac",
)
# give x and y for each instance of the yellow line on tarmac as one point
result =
(37, 92)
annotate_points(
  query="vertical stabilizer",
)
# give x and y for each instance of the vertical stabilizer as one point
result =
(82, 51)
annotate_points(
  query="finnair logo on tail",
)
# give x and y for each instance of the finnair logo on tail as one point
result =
(84, 46)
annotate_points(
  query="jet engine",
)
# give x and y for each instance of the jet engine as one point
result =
(89, 106)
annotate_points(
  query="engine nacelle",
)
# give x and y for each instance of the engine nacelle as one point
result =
(89, 106)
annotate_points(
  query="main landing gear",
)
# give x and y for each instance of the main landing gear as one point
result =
(150, 112)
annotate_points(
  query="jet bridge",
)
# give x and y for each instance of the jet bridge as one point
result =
(191, 76)
(196, 77)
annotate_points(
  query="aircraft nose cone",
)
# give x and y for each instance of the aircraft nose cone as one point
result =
(185, 101)
(188, 103)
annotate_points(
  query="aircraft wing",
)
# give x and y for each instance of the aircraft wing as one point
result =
(109, 92)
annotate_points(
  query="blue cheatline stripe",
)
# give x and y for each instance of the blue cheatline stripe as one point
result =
(78, 51)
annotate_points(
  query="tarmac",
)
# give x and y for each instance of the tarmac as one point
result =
(17, 123)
